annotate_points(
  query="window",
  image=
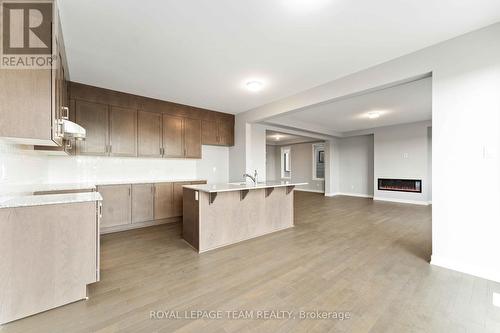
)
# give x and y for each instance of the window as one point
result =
(286, 171)
(318, 167)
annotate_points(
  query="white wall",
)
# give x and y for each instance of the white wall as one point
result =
(301, 165)
(402, 152)
(356, 165)
(22, 166)
(272, 162)
(465, 142)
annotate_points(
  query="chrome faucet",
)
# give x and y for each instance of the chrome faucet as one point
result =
(253, 178)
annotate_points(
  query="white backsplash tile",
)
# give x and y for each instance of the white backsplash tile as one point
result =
(20, 166)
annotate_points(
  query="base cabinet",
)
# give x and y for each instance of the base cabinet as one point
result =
(116, 205)
(50, 253)
(164, 199)
(142, 203)
(131, 206)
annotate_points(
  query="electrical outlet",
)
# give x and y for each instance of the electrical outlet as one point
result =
(405, 155)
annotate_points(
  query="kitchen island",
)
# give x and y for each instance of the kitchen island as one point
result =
(224, 214)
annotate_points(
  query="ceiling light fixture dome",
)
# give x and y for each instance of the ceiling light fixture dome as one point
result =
(373, 114)
(254, 85)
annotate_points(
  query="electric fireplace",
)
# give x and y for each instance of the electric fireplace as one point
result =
(400, 185)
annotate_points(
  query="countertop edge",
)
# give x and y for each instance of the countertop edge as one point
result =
(48, 199)
(230, 188)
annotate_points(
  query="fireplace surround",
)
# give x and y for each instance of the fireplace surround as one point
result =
(400, 185)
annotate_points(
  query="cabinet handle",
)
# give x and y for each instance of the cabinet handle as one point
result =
(110, 148)
(129, 191)
(65, 112)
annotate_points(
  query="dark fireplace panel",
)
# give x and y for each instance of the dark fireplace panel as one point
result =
(400, 185)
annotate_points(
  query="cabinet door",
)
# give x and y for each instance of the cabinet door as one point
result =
(94, 118)
(192, 138)
(123, 132)
(142, 203)
(226, 132)
(149, 134)
(178, 197)
(173, 138)
(209, 135)
(25, 105)
(164, 200)
(116, 209)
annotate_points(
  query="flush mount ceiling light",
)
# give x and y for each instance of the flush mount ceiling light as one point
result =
(277, 137)
(305, 5)
(254, 85)
(374, 114)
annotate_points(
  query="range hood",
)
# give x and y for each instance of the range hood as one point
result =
(72, 130)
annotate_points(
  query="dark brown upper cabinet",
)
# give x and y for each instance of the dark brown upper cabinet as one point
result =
(226, 132)
(218, 132)
(122, 132)
(94, 118)
(181, 137)
(192, 138)
(149, 134)
(120, 124)
(173, 136)
(209, 132)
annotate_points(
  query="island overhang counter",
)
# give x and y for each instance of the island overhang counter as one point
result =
(223, 214)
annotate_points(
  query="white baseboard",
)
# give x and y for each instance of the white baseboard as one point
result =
(360, 195)
(308, 190)
(412, 202)
(461, 266)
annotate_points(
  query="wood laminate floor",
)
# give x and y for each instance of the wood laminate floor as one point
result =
(344, 254)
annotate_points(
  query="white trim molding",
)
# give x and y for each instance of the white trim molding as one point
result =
(359, 195)
(412, 202)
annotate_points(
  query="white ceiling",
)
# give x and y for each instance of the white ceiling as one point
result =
(405, 103)
(281, 138)
(200, 52)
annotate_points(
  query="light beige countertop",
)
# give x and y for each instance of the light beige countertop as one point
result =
(213, 188)
(48, 199)
(22, 194)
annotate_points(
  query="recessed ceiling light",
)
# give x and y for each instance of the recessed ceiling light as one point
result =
(254, 85)
(374, 114)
